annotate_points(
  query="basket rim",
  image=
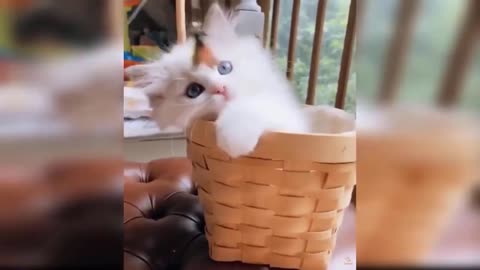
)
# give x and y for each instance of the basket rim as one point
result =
(323, 148)
(346, 134)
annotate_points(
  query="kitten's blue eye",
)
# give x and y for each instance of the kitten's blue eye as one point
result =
(224, 67)
(194, 90)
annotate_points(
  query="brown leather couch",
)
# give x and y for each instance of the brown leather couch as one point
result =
(163, 220)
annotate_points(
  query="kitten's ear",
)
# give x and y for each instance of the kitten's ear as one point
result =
(145, 74)
(202, 53)
(217, 23)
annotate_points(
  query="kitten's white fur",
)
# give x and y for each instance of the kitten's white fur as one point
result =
(260, 97)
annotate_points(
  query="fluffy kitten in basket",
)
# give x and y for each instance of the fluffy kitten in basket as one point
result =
(224, 75)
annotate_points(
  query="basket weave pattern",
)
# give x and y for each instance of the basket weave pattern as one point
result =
(272, 207)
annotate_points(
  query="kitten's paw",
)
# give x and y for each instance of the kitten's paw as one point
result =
(237, 138)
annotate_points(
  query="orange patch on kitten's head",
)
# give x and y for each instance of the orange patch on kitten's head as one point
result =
(202, 53)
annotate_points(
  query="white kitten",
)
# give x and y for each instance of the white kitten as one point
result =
(231, 77)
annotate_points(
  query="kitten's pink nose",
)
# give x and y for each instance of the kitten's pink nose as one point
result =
(219, 90)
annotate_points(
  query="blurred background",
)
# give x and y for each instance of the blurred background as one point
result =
(434, 29)
(61, 134)
(418, 96)
(60, 61)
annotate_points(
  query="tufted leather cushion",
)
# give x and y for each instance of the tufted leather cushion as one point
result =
(163, 220)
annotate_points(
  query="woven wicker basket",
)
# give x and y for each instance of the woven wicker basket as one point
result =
(281, 205)
(412, 174)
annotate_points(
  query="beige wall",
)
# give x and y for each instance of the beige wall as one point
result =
(148, 150)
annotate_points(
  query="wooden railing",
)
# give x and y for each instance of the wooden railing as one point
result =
(454, 74)
(461, 54)
(316, 46)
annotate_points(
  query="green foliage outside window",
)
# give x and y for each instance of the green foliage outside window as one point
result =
(330, 52)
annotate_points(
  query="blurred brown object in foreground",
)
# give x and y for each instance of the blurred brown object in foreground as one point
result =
(415, 168)
(65, 214)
